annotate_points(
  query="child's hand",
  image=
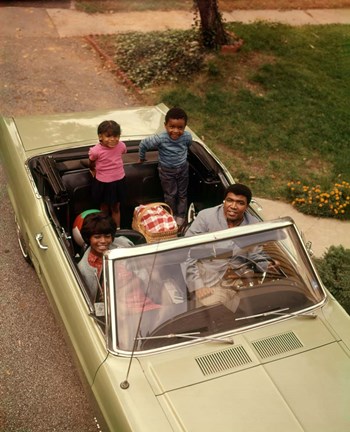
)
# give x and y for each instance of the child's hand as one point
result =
(93, 172)
(142, 160)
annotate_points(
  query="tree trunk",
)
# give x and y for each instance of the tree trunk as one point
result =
(212, 28)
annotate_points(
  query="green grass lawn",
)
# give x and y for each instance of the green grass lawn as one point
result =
(276, 111)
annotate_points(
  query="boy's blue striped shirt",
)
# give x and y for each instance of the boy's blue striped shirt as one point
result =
(172, 153)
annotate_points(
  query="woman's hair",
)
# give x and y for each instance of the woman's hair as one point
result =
(239, 189)
(97, 223)
(109, 127)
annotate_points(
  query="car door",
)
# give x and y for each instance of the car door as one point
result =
(55, 266)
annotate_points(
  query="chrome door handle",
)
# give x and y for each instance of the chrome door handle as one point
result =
(38, 239)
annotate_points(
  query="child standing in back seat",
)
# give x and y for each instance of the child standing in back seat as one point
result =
(107, 169)
(172, 146)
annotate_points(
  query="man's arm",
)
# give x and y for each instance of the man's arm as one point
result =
(198, 226)
(192, 275)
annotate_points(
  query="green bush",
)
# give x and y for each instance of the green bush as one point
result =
(334, 269)
(155, 57)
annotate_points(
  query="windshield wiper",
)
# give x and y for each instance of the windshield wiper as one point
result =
(187, 336)
(279, 312)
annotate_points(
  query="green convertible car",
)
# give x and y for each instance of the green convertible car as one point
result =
(277, 358)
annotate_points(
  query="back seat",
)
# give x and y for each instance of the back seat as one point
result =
(142, 183)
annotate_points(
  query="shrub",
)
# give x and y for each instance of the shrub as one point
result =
(334, 203)
(334, 270)
(156, 57)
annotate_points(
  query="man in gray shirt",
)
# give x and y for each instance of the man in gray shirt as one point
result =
(232, 213)
(209, 278)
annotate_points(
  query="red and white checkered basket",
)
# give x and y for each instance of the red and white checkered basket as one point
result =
(155, 221)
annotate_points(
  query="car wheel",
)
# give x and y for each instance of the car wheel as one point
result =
(22, 243)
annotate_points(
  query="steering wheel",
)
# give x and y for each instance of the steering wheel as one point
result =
(246, 274)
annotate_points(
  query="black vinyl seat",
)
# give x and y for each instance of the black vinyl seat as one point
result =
(136, 237)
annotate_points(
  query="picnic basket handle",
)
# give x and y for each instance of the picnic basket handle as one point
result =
(155, 204)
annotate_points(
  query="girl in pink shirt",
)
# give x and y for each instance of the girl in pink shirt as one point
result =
(107, 169)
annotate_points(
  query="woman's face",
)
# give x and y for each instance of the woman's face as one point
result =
(100, 243)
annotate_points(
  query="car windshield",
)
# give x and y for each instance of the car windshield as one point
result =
(206, 287)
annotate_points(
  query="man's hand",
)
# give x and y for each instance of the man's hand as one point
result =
(201, 293)
(273, 266)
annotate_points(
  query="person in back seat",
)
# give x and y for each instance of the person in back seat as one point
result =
(172, 146)
(106, 166)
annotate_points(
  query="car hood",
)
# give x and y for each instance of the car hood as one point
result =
(280, 382)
